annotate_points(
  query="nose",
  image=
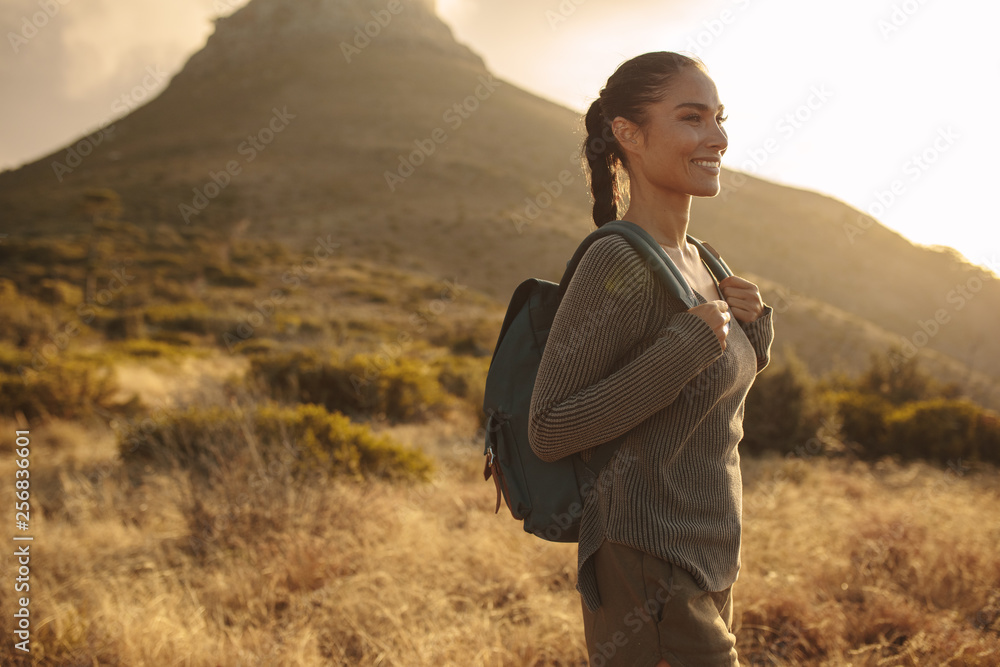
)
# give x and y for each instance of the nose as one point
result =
(719, 140)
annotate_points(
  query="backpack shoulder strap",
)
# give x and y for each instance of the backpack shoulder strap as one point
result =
(654, 256)
(711, 256)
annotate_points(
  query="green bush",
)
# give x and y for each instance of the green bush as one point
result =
(944, 430)
(400, 388)
(863, 422)
(898, 379)
(305, 438)
(228, 277)
(938, 429)
(465, 378)
(61, 388)
(783, 411)
(305, 376)
(25, 321)
(192, 317)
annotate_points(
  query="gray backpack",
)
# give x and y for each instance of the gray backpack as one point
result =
(549, 496)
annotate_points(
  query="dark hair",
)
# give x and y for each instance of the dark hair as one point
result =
(636, 84)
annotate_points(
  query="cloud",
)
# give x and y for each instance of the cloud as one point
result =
(83, 58)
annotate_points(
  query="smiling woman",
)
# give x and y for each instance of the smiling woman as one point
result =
(661, 532)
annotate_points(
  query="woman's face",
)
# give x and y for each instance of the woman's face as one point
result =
(681, 149)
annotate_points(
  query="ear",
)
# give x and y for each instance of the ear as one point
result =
(627, 133)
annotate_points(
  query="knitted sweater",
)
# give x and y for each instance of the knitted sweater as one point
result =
(625, 357)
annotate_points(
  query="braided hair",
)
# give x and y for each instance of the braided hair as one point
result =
(636, 84)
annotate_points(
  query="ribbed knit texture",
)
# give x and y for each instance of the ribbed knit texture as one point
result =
(624, 357)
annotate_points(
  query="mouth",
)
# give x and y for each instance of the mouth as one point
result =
(711, 166)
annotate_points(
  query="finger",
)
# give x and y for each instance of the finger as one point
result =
(736, 281)
(747, 313)
(742, 301)
(750, 292)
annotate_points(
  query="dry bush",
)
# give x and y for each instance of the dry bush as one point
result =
(303, 439)
(62, 386)
(389, 384)
(843, 563)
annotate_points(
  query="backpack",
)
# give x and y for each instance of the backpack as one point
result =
(549, 496)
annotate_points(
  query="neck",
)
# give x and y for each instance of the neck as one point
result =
(666, 219)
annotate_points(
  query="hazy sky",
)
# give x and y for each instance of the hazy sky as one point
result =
(879, 103)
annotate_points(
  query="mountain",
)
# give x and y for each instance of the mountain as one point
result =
(366, 120)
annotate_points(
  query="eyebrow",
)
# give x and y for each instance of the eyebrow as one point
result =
(698, 105)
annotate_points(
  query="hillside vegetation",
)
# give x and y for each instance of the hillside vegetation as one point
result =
(245, 455)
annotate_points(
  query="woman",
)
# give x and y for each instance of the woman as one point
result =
(660, 534)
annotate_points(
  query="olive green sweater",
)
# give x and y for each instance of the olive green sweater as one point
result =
(625, 357)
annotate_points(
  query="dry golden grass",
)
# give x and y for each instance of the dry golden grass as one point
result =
(843, 564)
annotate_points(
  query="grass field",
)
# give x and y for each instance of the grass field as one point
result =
(844, 564)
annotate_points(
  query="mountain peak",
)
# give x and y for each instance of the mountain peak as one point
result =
(352, 24)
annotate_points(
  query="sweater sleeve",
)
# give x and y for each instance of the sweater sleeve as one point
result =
(583, 395)
(761, 334)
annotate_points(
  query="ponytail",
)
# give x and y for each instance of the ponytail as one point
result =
(601, 151)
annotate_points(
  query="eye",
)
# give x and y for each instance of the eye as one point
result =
(693, 116)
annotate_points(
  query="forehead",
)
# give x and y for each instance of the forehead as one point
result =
(691, 85)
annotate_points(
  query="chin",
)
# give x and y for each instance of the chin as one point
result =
(709, 191)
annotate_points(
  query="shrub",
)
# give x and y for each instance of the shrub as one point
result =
(863, 422)
(465, 378)
(25, 321)
(304, 376)
(898, 379)
(305, 437)
(944, 430)
(782, 410)
(401, 389)
(65, 389)
(192, 317)
(228, 277)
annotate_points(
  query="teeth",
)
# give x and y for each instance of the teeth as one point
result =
(706, 164)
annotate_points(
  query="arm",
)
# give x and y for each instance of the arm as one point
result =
(581, 397)
(761, 334)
